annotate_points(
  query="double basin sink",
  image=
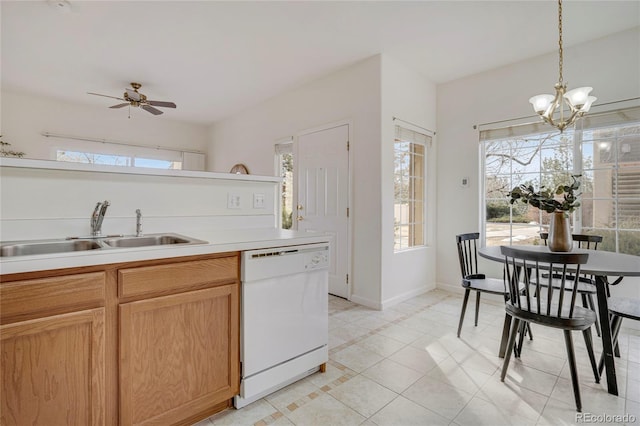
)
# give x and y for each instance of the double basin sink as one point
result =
(35, 247)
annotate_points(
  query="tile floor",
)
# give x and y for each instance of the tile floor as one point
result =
(405, 366)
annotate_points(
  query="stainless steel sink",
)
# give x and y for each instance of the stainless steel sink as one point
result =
(26, 248)
(151, 240)
(35, 247)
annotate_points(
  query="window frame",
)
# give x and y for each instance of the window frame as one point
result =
(584, 134)
(416, 238)
(282, 148)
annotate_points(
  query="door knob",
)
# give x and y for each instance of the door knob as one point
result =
(300, 218)
(300, 207)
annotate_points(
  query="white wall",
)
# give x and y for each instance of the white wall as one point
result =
(610, 65)
(411, 97)
(367, 94)
(41, 203)
(351, 94)
(25, 116)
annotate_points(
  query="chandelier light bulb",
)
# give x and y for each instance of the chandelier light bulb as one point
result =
(578, 97)
(541, 103)
(587, 105)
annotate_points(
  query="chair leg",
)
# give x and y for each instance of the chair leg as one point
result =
(477, 306)
(510, 348)
(574, 372)
(592, 306)
(505, 335)
(616, 322)
(592, 357)
(464, 308)
(530, 333)
(523, 328)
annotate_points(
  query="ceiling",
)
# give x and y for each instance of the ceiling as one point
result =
(216, 58)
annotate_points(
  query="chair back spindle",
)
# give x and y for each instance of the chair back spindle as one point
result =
(521, 265)
(468, 253)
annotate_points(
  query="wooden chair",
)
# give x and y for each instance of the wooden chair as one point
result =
(619, 308)
(586, 283)
(551, 307)
(472, 280)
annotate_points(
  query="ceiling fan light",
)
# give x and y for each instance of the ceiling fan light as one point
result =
(541, 103)
(578, 97)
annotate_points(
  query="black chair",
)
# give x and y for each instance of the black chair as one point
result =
(620, 307)
(586, 283)
(548, 306)
(473, 280)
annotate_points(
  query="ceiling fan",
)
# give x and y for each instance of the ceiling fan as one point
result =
(134, 98)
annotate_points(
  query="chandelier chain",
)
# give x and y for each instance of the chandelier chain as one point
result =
(560, 39)
(576, 102)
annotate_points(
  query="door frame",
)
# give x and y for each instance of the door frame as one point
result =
(349, 236)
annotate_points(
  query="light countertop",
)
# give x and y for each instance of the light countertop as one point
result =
(219, 241)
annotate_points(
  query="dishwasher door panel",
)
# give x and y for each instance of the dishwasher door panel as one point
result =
(283, 317)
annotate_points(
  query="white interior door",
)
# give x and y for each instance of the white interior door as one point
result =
(323, 196)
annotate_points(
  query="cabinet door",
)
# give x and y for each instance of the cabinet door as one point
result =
(179, 355)
(52, 370)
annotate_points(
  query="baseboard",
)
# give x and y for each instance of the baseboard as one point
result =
(365, 302)
(456, 289)
(406, 296)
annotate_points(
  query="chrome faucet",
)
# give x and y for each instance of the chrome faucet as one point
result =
(138, 223)
(97, 217)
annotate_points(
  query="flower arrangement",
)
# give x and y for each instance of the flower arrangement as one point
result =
(563, 199)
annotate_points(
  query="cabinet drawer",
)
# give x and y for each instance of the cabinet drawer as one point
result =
(177, 277)
(37, 298)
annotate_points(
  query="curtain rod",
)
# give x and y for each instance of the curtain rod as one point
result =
(413, 124)
(114, 142)
(475, 126)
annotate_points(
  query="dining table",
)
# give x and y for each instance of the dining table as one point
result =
(601, 265)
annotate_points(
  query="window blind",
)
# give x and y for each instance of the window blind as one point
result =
(591, 121)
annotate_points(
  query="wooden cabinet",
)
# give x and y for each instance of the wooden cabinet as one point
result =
(178, 356)
(153, 342)
(179, 353)
(53, 366)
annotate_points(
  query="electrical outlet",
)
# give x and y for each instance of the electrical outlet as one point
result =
(233, 201)
(258, 201)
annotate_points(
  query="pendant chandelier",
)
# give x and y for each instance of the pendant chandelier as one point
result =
(552, 109)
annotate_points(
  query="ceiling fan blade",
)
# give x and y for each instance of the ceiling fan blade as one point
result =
(151, 109)
(133, 94)
(162, 104)
(106, 96)
(120, 105)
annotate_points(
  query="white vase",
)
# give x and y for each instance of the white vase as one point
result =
(560, 233)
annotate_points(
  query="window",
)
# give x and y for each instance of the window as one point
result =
(604, 149)
(113, 153)
(116, 160)
(409, 188)
(284, 164)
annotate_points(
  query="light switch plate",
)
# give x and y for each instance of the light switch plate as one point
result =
(258, 201)
(233, 201)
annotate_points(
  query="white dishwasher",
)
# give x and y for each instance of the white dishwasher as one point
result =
(284, 317)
